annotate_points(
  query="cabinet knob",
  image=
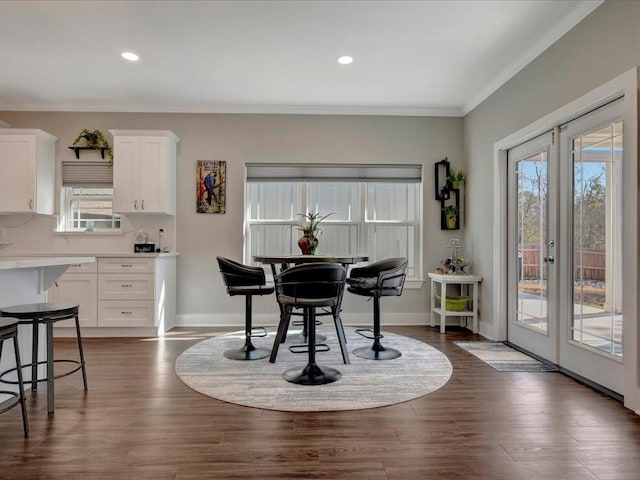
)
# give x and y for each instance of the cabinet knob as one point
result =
(135, 204)
(126, 313)
(126, 285)
(30, 204)
(142, 204)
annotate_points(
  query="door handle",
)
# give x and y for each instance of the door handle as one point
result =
(550, 259)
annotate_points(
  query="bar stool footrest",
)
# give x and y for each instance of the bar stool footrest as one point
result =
(9, 403)
(320, 347)
(371, 335)
(262, 332)
(44, 379)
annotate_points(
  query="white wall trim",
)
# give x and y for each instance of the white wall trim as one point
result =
(236, 320)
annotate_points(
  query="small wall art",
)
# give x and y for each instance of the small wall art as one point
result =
(211, 186)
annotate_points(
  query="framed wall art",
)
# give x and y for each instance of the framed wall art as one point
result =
(211, 186)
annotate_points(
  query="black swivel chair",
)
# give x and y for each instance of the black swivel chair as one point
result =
(248, 281)
(309, 286)
(379, 279)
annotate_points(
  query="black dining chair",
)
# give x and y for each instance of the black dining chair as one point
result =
(380, 279)
(248, 281)
(309, 286)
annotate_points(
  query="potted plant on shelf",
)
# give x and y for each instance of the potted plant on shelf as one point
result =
(456, 177)
(95, 140)
(451, 216)
(310, 229)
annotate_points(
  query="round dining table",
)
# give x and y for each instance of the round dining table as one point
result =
(285, 260)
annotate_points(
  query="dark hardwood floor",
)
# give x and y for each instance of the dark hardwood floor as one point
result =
(139, 421)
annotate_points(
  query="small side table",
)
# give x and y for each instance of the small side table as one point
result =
(462, 280)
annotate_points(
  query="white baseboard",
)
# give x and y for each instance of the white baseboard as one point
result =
(270, 320)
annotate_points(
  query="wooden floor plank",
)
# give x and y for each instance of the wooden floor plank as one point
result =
(138, 420)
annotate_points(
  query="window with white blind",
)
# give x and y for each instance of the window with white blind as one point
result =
(374, 210)
(86, 198)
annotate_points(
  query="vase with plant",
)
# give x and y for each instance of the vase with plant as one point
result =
(93, 139)
(310, 229)
(451, 216)
(456, 177)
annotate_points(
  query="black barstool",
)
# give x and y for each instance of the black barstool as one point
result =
(46, 314)
(9, 330)
(309, 286)
(379, 279)
(245, 280)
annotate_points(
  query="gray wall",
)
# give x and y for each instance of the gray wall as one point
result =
(601, 47)
(239, 139)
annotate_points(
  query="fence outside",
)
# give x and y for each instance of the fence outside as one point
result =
(589, 263)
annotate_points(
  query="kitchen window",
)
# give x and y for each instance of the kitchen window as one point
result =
(374, 210)
(86, 199)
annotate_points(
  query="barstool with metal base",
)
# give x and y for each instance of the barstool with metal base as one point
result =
(309, 286)
(46, 314)
(9, 330)
(245, 280)
(380, 279)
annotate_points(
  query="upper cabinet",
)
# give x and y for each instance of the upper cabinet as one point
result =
(144, 171)
(27, 163)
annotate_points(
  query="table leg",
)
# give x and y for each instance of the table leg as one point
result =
(443, 306)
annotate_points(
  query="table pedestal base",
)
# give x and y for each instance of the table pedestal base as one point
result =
(377, 352)
(312, 374)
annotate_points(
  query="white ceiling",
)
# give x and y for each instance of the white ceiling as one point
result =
(411, 57)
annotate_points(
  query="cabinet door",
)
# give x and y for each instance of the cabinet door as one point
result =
(126, 153)
(80, 288)
(17, 182)
(152, 170)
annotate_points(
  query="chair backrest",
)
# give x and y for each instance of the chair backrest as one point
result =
(237, 274)
(311, 284)
(387, 277)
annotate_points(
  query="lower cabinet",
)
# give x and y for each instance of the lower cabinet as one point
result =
(78, 285)
(121, 292)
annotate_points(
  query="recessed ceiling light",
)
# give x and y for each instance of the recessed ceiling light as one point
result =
(132, 57)
(345, 59)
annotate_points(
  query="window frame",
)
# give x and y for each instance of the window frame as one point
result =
(363, 225)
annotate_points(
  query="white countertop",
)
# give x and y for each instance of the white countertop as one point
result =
(82, 254)
(24, 261)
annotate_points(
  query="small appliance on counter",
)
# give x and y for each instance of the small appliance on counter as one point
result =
(142, 245)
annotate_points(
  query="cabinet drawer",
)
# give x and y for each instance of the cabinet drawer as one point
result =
(112, 313)
(126, 287)
(83, 268)
(125, 265)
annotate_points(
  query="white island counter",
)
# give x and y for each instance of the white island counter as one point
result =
(26, 280)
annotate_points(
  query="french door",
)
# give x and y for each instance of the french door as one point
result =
(565, 246)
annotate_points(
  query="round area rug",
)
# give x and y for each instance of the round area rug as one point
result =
(420, 370)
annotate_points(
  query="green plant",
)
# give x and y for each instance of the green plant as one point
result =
(450, 211)
(456, 175)
(95, 140)
(311, 223)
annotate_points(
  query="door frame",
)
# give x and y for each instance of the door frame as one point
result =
(627, 85)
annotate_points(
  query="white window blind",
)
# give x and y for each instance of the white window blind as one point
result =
(290, 172)
(87, 174)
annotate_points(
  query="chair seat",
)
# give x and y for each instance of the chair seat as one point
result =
(51, 311)
(251, 290)
(362, 283)
(8, 325)
(307, 302)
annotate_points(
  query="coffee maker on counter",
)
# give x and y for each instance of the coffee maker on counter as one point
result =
(142, 244)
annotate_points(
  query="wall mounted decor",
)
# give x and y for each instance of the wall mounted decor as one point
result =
(442, 183)
(211, 186)
(450, 211)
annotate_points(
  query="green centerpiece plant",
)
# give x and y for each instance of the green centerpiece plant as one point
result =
(310, 229)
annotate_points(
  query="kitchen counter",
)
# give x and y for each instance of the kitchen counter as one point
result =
(25, 279)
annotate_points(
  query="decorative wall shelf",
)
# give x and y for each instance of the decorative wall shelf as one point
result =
(77, 150)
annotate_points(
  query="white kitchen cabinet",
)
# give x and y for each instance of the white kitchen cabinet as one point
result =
(144, 171)
(27, 163)
(128, 295)
(78, 285)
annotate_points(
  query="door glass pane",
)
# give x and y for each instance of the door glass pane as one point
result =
(531, 192)
(597, 235)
